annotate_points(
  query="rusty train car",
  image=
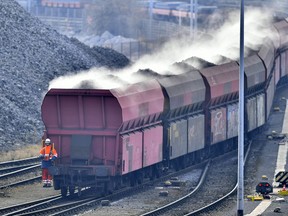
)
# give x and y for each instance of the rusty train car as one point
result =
(107, 139)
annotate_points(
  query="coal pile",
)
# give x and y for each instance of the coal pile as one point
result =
(32, 54)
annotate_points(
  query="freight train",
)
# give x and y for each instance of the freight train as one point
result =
(109, 138)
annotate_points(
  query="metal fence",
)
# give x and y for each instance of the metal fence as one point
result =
(157, 34)
(136, 49)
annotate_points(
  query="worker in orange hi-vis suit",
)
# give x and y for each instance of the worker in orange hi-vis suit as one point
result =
(48, 154)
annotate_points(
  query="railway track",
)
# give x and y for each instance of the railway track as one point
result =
(31, 168)
(21, 162)
(196, 201)
(59, 206)
(18, 172)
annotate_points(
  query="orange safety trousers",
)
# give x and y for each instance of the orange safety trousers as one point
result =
(46, 177)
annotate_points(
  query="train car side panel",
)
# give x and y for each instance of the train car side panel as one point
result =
(178, 139)
(254, 70)
(232, 120)
(218, 125)
(132, 152)
(184, 90)
(223, 79)
(277, 70)
(286, 63)
(283, 65)
(252, 113)
(282, 28)
(196, 132)
(140, 99)
(153, 144)
(260, 110)
(266, 53)
(270, 95)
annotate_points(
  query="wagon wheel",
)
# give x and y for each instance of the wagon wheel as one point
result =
(56, 184)
(71, 190)
(79, 191)
(140, 178)
(64, 191)
(152, 174)
(133, 180)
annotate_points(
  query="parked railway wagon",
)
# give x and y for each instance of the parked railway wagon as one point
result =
(179, 11)
(282, 54)
(62, 3)
(110, 138)
(90, 129)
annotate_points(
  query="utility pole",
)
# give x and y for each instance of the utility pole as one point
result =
(193, 18)
(240, 190)
(150, 18)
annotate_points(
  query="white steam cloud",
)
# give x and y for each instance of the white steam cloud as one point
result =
(223, 42)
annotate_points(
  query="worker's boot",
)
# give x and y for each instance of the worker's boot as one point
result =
(49, 183)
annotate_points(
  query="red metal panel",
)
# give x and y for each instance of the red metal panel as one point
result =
(184, 89)
(62, 145)
(260, 110)
(95, 113)
(196, 133)
(98, 150)
(80, 110)
(178, 139)
(113, 117)
(103, 150)
(69, 111)
(101, 112)
(132, 152)
(232, 120)
(254, 70)
(218, 125)
(252, 113)
(139, 100)
(49, 111)
(282, 28)
(92, 106)
(153, 144)
(266, 53)
(223, 79)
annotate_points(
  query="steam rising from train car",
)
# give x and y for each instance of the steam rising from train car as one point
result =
(221, 44)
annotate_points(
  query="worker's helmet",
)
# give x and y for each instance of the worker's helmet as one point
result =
(47, 141)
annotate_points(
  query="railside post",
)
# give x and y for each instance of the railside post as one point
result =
(240, 191)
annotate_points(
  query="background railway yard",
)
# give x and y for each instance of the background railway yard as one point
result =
(261, 160)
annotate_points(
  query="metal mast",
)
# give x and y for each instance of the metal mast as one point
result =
(240, 192)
